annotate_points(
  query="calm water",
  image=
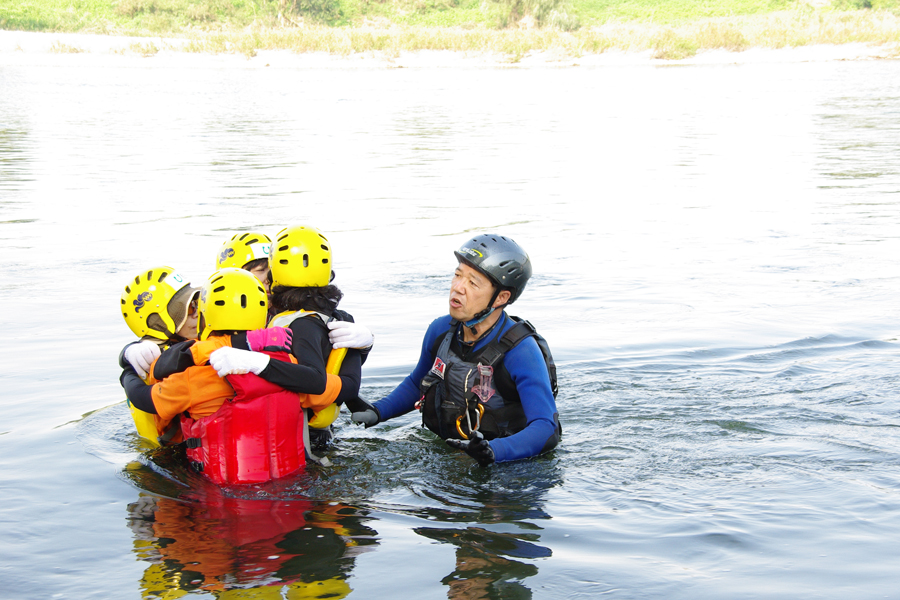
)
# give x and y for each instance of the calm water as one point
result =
(715, 252)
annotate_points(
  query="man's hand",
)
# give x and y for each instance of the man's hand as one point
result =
(141, 355)
(345, 334)
(477, 447)
(232, 361)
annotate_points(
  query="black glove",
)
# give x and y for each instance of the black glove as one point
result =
(363, 412)
(477, 447)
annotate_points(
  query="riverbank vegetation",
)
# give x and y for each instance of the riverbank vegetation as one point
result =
(668, 28)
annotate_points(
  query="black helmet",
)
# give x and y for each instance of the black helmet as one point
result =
(504, 262)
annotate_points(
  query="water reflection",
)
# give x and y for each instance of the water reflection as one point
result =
(238, 547)
(14, 160)
(487, 549)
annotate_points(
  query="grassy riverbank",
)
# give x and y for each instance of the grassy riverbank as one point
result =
(668, 28)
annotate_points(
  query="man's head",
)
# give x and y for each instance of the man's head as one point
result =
(492, 272)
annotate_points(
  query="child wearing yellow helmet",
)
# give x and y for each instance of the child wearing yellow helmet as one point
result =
(160, 307)
(233, 311)
(248, 250)
(306, 302)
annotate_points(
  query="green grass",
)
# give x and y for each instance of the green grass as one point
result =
(667, 28)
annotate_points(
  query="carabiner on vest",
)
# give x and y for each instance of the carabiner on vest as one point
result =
(479, 409)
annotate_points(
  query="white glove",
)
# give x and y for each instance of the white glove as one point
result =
(344, 334)
(231, 361)
(141, 355)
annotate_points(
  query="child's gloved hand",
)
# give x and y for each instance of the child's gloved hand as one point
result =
(232, 361)
(363, 412)
(272, 339)
(344, 334)
(477, 447)
(141, 355)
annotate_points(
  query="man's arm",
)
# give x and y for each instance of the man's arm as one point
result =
(526, 366)
(404, 397)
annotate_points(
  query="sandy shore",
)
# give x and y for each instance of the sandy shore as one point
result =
(29, 48)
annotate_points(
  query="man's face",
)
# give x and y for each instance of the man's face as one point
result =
(470, 292)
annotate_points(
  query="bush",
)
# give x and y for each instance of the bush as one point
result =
(551, 13)
(322, 11)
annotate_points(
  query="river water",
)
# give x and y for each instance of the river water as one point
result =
(715, 255)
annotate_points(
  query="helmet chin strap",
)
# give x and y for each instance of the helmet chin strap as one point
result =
(481, 316)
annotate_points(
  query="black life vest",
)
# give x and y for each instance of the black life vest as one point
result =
(450, 402)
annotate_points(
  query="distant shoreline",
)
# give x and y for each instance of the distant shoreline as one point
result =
(23, 48)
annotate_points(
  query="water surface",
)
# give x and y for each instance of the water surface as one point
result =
(715, 269)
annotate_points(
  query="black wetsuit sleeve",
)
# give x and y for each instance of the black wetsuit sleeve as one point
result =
(175, 359)
(351, 376)
(137, 392)
(311, 347)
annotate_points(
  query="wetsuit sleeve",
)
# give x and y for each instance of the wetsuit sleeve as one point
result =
(404, 397)
(351, 376)
(310, 346)
(175, 359)
(526, 366)
(137, 392)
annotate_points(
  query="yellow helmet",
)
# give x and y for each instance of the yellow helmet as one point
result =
(243, 248)
(156, 303)
(231, 300)
(301, 257)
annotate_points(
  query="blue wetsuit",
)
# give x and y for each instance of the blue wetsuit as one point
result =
(525, 365)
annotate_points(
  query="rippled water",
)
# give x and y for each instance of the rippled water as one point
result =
(715, 253)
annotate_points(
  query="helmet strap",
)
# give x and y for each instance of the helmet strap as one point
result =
(481, 316)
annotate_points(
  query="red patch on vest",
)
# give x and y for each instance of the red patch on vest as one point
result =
(439, 367)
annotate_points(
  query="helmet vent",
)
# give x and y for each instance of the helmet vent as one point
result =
(127, 290)
(324, 261)
(253, 241)
(162, 276)
(306, 260)
(218, 289)
(324, 247)
(219, 303)
(243, 300)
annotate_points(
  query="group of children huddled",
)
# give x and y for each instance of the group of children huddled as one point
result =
(221, 368)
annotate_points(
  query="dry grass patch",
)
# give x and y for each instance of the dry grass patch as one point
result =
(60, 48)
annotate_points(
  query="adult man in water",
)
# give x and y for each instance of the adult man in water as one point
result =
(482, 381)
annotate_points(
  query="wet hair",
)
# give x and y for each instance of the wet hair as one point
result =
(255, 264)
(318, 299)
